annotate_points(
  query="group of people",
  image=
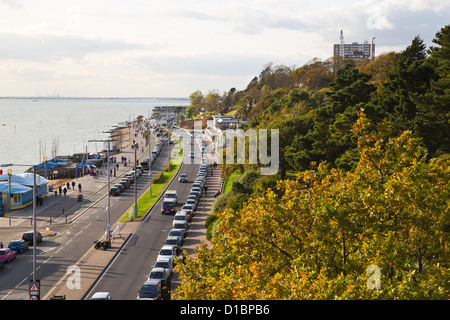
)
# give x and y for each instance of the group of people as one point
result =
(64, 190)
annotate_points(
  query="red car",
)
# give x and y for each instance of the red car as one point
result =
(6, 254)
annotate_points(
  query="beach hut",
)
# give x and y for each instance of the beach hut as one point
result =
(20, 195)
(19, 188)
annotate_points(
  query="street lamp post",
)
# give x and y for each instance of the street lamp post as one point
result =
(108, 219)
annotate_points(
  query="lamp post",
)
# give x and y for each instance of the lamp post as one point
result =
(34, 208)
(108, 219)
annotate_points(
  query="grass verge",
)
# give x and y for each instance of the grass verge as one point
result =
(145, 202)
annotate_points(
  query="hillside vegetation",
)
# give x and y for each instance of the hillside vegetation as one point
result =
(360, 206)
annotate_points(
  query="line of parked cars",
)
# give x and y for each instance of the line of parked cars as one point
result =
(128, 179)
(157, 286)
(18, 246)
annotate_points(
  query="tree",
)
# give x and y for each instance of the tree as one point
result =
(317, 237)
(197, 101)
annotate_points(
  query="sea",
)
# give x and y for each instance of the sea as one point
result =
(34, 128)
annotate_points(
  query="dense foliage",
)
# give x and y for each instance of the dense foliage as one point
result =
(363, 187)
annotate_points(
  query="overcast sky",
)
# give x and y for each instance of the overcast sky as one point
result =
(171, 48)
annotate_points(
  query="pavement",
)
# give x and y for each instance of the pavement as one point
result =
(62, 209)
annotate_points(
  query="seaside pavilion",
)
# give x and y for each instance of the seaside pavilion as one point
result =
(19, 188)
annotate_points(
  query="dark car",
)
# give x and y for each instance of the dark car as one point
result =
(127, 181)
(120, 186)
(114, 191)
(124, 184)
(28, 237)
(168, 206)
(150, 290)
(18, 245)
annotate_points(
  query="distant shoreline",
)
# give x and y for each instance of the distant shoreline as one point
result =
(96, 98)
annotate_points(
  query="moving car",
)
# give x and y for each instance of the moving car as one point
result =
(18, 245)
(6, 254)
(183, 178)
(168, 206)
(171, 194)
(28, 237)
(191, 155)
(101, 296)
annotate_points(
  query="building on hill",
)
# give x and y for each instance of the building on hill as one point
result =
(354, 50)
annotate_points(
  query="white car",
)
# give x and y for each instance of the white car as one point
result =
(101, 296)
(180, 217)
(167, 252)
(166, 263)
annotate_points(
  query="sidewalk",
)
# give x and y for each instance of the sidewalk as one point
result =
(61, 209)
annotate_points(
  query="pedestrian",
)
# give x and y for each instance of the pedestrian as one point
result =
(1, 245)
(206, 190)
(68, 186)
(73, 185)
(79, 187)
(64, 191)
(60, 190)
(56, 193)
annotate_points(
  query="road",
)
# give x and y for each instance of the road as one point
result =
(56, 254)
(132, 266)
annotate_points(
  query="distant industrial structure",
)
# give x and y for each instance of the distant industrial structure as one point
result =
(354, 50)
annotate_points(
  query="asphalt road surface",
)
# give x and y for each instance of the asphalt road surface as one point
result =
(132, 266)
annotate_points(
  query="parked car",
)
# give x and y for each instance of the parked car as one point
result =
(28, 237)
(193, 203)
(180, 216)
(182, 226)
(159, 274)
(167, 252)
(6, 254)
(174, 242)
(189, 210)
(18, 245)
(150, 290)
(120, 186)
(127, 181)
(177, 233)
(183, 178)
(197, 185)
(124, 184)
(166, 263)
(114, 191)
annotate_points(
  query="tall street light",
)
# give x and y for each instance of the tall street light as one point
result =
(108, 220)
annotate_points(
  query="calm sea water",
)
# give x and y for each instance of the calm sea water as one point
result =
(30, 130)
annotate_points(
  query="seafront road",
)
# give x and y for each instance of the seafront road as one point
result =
(67, 264)
(71, 235)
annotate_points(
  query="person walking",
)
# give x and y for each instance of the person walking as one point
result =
(73, 185)
(79, 187)
(64, 191)
(60, 190)
(206, 190)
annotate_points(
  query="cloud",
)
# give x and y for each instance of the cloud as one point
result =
(51, 47)
(11, 4)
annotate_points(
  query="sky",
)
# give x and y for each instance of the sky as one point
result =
(171, 48)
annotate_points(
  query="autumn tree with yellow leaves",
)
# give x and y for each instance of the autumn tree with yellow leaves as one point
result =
(328, 234)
